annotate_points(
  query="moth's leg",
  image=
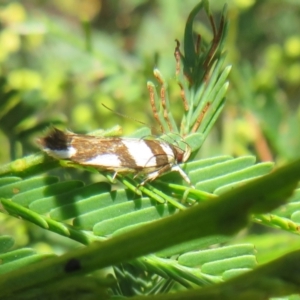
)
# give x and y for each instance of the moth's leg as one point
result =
(182, 174)
(153, 175)
(141, 183)
(114, 176)
(137, 175)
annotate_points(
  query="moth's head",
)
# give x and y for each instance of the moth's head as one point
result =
(183, 155)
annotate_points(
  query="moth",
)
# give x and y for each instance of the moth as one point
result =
(147, 157)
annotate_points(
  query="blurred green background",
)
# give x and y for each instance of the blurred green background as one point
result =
(65, 58)
(59, 60)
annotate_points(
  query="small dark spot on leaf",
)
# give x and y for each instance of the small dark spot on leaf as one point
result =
(16, 191)
(72, 265)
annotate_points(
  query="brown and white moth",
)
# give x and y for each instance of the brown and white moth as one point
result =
(150, 158)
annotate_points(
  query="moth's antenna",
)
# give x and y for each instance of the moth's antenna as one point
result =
(128, 117)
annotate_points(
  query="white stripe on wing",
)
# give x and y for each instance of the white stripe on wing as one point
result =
(140, 152)
(105, 160)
